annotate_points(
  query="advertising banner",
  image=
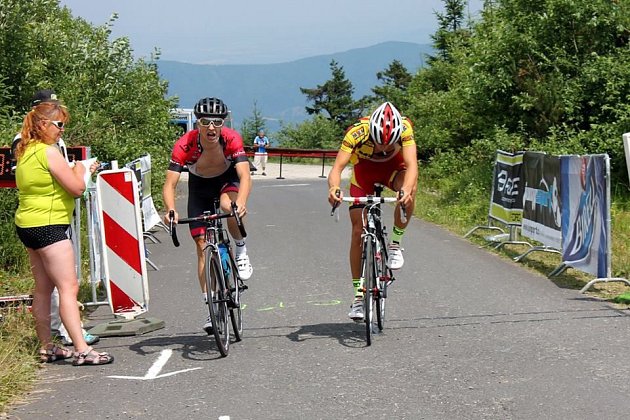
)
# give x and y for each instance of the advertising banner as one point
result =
(506, 203)
(542, 212)
(626, 147)
(586, 213)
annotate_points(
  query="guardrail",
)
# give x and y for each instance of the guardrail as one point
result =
(283, 152)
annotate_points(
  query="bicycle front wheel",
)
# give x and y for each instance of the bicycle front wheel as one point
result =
(235, 286)
(382, 277)
(217, 303)
(370, 293)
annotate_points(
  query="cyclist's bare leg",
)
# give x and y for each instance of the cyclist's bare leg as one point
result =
(355, 242)
(200, 242)
(396, 186)
(226, 202)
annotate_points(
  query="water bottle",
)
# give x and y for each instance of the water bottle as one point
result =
(225, 259)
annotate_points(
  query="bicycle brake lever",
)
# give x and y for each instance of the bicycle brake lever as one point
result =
(334, 206)
(172, 227)
(239, 222)
(403, 211)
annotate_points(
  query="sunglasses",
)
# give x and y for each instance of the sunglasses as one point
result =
(216, 122)
(59, 124)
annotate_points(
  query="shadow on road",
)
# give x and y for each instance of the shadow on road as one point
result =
(192, 347)
(348, 335)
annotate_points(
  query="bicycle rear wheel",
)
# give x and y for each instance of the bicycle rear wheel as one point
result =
(217, 303)
(235, 286)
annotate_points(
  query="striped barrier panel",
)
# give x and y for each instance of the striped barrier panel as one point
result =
(122, 241)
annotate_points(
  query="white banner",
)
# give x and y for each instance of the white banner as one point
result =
(626, 146)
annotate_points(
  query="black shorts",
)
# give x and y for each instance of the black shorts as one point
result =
(202, 192)
(42, 236)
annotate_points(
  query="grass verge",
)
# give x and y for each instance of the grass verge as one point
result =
(459, 206)
(18, 341)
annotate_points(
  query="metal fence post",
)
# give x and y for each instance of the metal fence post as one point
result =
(323, 161)
(280, 176)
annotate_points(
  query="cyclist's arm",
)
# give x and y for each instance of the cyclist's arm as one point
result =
(245, 186)
(168, 193)
(334, 177)
(410, 181)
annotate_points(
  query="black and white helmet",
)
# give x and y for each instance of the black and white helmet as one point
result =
(386, 124)
(211, 107)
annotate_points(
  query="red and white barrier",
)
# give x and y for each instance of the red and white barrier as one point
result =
(124, 257)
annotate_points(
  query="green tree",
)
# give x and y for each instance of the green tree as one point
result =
(450, 28)
(318, 133)
(334, 98)
(118, 105)
(395, 79)
(251, 126)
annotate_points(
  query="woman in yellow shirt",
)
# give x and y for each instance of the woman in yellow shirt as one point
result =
(46, 189)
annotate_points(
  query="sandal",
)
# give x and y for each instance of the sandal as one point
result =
(53, 353)
(92, 357)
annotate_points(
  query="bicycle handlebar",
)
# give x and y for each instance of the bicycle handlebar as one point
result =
(206, 217)
(371, 199)
(171, 227)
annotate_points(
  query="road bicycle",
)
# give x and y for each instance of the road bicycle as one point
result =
(223, 284)
(376, 274)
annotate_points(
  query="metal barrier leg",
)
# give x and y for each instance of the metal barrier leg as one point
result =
(323, 161)
(280, 176)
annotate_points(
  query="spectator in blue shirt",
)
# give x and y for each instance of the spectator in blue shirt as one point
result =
(261, 143)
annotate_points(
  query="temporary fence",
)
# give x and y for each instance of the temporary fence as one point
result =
(506, 200)
(150, 216)
(115, 230)
(565, 207)
(283, 152)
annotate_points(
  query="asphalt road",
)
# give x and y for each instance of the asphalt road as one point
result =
(468, 336)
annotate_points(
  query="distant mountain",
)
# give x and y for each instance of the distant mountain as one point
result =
(276, 87)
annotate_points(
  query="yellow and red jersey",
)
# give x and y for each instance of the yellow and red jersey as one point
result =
(358, 143)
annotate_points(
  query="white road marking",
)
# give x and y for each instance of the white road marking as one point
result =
(156, 368)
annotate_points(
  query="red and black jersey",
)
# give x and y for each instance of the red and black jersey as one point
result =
(187, 149)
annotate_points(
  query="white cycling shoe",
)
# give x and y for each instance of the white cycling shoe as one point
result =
(207, 327)
(356, 310)
(396, 259)
(244, 267)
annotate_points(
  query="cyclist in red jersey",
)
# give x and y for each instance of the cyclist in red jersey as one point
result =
(382, 150)
(217, 168)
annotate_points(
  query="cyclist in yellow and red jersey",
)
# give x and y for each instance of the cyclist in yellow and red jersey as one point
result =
(382, 150)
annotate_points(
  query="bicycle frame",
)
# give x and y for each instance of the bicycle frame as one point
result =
(223, 284)
(376, 275)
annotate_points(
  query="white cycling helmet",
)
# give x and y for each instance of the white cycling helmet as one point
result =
(386, 124)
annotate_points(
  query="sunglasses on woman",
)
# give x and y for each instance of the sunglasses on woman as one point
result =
(216, 122)
(58, 124)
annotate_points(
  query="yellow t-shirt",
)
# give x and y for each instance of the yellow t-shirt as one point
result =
(43, 201)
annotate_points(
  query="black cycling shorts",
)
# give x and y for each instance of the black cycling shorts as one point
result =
(42, 236)
(202, 193)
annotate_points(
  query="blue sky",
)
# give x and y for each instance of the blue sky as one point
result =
(261, 32)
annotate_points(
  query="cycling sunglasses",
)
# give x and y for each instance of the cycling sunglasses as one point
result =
(216, 122)
(59, 124)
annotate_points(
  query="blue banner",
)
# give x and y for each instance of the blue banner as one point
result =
(585, 214)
